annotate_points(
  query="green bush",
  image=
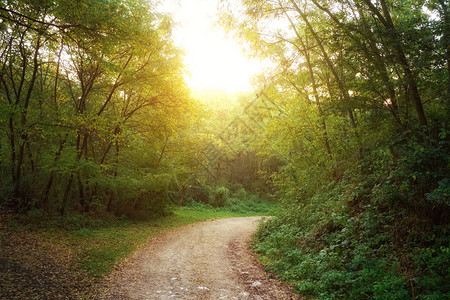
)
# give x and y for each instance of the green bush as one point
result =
(199, 192)
(433, 264)
(220, 197)
(238, 200)
(139, 196)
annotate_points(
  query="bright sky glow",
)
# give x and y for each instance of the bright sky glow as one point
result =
(214, 61)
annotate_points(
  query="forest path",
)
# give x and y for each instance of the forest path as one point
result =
(208, 260)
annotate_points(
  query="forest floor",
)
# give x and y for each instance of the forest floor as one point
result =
(206, 260)
(33, 267)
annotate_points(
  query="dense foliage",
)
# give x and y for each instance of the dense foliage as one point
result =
(94, 111)
(363, 137)
(228, 135)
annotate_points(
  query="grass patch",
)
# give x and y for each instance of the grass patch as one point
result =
(234, 208)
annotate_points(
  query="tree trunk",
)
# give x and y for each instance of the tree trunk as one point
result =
(48, 186)
(401, 57)
(24, 135)
(343, 90)
(314, 86)
(66, 195)
(82, 195)
(446, 38)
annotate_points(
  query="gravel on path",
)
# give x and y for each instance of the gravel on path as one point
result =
(208, 260)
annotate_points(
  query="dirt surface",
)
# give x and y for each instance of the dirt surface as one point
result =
(208, 260)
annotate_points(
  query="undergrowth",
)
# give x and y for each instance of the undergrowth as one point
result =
(234, 200)
(381, 232)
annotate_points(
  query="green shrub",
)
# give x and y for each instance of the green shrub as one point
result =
(220, 197)
(200, 192)
(433, 264)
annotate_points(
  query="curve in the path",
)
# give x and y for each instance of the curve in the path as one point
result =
(208, 260)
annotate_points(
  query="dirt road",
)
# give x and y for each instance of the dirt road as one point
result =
(209, 260)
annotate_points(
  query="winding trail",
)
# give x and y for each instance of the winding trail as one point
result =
(208, 260)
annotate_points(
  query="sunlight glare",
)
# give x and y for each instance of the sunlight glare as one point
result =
(213, 60)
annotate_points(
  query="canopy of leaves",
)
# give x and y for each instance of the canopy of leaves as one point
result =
(93, 107)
